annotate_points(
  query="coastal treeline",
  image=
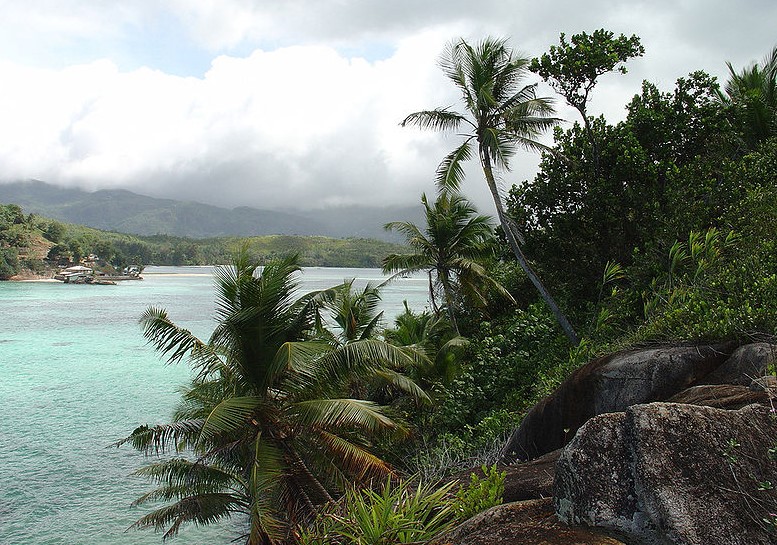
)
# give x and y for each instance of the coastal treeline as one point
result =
(311, 420)
(36, 244)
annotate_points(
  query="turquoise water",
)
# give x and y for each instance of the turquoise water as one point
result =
(77, 375)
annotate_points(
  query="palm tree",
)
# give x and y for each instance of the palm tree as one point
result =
(501, 116)
(434, 335)
(265, 418)
(450, 249)
(345, 315)
(752, 93)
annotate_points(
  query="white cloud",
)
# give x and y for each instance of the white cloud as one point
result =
(302, 101)
(300, 126)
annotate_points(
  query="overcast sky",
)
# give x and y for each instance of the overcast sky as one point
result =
(297, 103)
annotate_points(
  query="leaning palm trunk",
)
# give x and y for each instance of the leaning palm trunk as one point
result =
(502, 116)
(512, 239)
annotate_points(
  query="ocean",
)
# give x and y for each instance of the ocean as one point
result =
(76, 375)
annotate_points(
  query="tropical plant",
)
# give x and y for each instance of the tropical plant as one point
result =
(345, 315)
(501, 116)
(271, 435)
(436, 338)
(394, 514)
(481, 493)
(752, 92)
(450, 250)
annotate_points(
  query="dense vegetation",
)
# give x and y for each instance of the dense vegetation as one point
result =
(660, 228)
(38, 244)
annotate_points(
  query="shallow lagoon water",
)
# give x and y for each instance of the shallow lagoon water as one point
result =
(76, 375)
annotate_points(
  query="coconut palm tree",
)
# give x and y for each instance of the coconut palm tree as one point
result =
(345, 314)
(752, 93)
(456, 239)
(501, 115)
(272, 436)
(434, 335)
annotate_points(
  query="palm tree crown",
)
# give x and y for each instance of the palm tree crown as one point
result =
(271, 433)
(501, 116)
(456, 239)
(752, 92)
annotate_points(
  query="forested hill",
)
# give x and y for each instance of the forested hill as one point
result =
(33, 245)
(127, 212)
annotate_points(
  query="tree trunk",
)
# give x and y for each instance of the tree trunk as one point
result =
(512, 239)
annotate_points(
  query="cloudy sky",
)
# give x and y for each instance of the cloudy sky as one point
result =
(297, 103)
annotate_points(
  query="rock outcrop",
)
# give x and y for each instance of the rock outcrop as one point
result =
(721, 396)
(659, 446)
(616, 382)
(522, 523)
(746, 364)
(667, 473)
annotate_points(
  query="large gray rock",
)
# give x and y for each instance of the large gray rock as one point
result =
(611, 384)
(672, 474)
(746, 364)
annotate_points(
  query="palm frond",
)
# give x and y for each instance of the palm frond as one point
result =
(363, 358)
(229, 416)
(160, 438)
(299, 360)
(266, 476)
(171, 340)
(440, 119)
(182, 477)
(403, 383)
(341, 414)
(198, 509)
(450, 173)
(354, 459)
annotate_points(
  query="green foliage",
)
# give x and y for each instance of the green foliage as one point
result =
(396, 513)
(55, 231)
(711, 287)
(451, 249)
(269, 413)
(9, 263)
(481, 493)
(436, 337)
(499, 378)
(664, 171)
(572, 67)
(751, 95)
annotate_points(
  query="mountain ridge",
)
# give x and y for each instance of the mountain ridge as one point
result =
(125, 211)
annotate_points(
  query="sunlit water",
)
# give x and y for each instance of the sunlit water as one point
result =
(76, 375)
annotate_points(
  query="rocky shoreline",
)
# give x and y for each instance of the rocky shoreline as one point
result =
(659, 446)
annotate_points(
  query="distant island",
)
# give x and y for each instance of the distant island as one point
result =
(33, 246)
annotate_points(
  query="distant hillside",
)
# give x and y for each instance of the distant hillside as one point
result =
(127, 212)
(32, 245)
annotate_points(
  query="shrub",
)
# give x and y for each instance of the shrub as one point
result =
(9, 263)
(398, 513)
(481, 493)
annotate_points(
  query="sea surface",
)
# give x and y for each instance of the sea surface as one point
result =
(76, 375)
